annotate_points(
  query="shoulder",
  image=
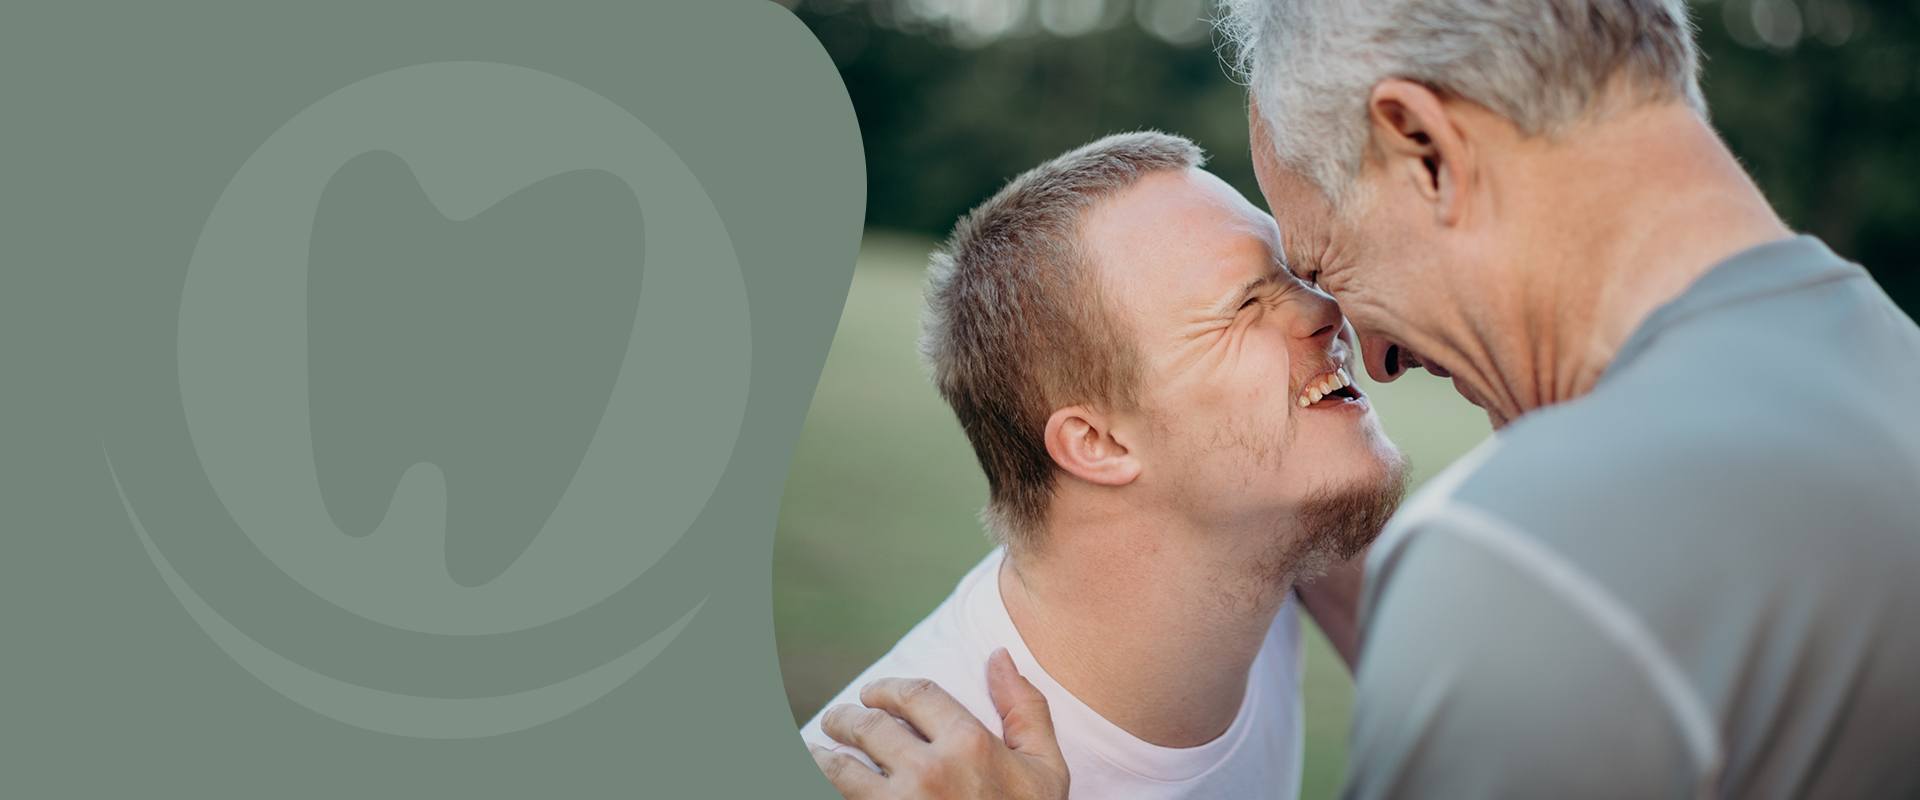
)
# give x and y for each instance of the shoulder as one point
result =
(957, 667)
(949, 647)
(1480, 645)
(1636, 429)
(1668, 467)
(1785, 392)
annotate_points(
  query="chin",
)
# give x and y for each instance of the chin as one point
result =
(1379, 471)
(1354, 451)
(1370, 471)
(1339, 514)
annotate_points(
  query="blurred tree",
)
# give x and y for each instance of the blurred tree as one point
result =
(1818, 99)
(955, 96)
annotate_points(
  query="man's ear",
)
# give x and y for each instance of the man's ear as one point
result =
(1082, 441)
(1421, 144)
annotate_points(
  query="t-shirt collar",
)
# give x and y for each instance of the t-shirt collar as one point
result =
(1775, 267)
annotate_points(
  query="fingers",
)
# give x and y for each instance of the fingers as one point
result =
(922, 703)
(1025, 721)
(886, 740)
(850, 777)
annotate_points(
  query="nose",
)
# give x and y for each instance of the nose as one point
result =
(1385, 360)
(1317, 314)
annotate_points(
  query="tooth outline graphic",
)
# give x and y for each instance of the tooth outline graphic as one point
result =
(229, 409)
(394, 712)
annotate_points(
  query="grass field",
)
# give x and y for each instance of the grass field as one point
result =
(878, 519)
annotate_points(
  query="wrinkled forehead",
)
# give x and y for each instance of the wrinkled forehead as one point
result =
(1174, 243)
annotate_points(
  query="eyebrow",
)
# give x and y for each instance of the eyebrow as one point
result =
(1245, 290)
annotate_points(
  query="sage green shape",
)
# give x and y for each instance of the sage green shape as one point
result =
(473, 133)
(400, 396)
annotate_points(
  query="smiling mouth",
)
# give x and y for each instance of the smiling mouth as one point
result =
(1330, 389)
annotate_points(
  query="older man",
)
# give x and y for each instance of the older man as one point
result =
(1684, 566)
(1171, 439)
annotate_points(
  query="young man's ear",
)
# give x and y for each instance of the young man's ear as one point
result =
(1082, 441)
(1421, 145)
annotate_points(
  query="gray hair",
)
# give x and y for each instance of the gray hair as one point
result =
(1310, 64)
(1016, 327)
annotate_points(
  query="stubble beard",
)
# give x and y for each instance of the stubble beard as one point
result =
(1333, 525)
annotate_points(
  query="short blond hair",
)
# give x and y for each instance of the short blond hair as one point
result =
(1015, 323)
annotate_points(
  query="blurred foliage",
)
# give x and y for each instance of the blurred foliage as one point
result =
(1817, 97)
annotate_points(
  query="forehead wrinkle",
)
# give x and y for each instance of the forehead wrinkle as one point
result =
(1312, 246)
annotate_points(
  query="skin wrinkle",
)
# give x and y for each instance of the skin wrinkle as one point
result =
(1476, 365)
(1154, 592)
(1245, 438)
(1558, 248)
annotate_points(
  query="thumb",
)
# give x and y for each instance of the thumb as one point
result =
(1025, 721)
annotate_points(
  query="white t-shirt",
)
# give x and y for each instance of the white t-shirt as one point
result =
(1258, 756)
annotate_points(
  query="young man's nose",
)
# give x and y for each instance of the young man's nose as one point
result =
(1318, 315)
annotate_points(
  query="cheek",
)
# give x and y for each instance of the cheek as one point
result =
(1370, 287)
(1267, 365)
(1264, 387)
(1391, 255)
(1246, 396)
(1366, 313)
(1352, 288)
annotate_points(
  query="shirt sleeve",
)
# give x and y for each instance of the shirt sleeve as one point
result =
(1483, 675)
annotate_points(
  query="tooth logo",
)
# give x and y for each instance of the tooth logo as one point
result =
(475, 136)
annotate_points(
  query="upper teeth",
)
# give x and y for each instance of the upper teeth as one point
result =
(1324, 385)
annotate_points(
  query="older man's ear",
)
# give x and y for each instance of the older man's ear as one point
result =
(1422, 145)
(1091, 445)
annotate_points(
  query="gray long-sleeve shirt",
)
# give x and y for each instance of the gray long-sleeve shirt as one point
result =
(1700, 580)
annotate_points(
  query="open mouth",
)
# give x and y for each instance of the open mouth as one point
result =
(1400, 359)
(1329, 390)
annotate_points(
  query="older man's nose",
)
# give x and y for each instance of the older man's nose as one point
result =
(1385, 361)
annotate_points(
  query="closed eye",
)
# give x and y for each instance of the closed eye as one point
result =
(1254, 292)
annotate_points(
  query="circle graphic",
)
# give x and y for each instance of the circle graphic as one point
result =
(473, 133)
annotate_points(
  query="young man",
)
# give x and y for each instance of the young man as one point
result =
(1171, 437)
(1684, 568)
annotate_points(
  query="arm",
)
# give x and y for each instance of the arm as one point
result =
(1500, 671)
(946, 753)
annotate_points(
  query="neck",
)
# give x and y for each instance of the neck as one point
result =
(1122, 609)
(1641, 204)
